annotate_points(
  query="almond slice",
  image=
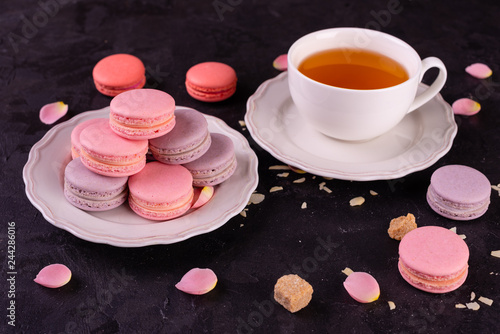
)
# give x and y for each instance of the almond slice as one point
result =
(356, 201)
(301, 180)
(485, 300)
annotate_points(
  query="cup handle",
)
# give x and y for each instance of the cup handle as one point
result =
(435, 87)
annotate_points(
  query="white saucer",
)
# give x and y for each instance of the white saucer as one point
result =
(416, 143)
(44, 174)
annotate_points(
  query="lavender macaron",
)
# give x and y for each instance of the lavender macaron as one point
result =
(187, 141)
(89, 191)
(216, 165)
(459, 192)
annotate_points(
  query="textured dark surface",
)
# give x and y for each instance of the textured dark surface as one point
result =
(118, 290)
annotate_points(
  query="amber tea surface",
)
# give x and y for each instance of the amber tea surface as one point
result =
(353, 69)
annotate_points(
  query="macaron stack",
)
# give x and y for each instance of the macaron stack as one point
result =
(110, 164)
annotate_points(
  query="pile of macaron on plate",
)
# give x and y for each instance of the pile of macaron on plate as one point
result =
(162, 160)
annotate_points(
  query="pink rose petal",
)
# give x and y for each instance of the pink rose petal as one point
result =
(281, 63)
(478, 70)
(465, 107)
(297, 170)
(202, 196)
(197, 281)
(53, 276)
(362, 287)
(52, 112)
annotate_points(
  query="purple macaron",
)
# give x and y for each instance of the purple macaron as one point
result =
(216, 165)
(93, 192)
(187, 141)
(459, 192)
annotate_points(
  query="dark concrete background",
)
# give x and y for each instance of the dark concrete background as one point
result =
(47, 52)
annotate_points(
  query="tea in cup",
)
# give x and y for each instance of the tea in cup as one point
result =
(356, 84)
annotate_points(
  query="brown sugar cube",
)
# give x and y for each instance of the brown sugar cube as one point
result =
(292, 292)
(401, 225)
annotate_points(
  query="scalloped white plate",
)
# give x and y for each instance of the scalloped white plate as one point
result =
(43, 176)
(417, 142)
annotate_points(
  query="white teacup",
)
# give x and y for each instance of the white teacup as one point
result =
(352, 114)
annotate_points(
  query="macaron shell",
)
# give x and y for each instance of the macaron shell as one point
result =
(211, 81)
(434, 251)
(187, 141)
(461, 184)
(117, 73)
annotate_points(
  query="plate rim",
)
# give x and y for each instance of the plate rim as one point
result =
(449, 135)
(52, 216)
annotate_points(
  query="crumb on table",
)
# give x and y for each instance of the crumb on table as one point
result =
(401, 225)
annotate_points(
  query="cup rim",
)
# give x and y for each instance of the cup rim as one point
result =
(293, 68)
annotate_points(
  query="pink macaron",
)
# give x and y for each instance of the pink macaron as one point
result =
(211, 81)
(106, 153)
(75, 135)
(91, 191)
(142, 114)
(188, 140)
(433, 259)
(459, 192)
(161, 191)
(118, 73)
(216, 165)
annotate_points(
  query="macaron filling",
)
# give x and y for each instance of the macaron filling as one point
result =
(113, 169)
(119, 160)
(107, 201)
(144, 122)
(445, 203)
(142, 132)
(95, 195)
(211, 93)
